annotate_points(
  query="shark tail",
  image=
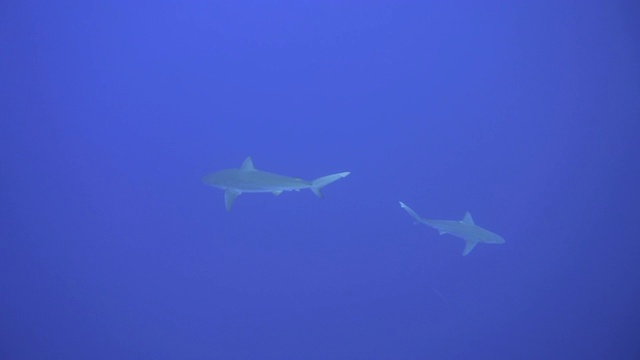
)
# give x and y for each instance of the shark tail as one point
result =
(413, 214)
(319, 183)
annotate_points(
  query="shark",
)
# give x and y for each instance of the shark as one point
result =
(248, 179)
(465, 229)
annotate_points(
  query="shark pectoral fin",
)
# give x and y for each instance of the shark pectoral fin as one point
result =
(277, 192)
(442, 232)
(319, 183)
(229, 197)
(468, 246)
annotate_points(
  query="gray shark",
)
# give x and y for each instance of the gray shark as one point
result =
(465, 228)
(247, 179)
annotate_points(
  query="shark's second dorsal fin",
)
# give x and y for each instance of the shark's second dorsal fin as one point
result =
(467, 219)
(247, 164)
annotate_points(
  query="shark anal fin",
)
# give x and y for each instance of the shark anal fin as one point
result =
(468, 246)
(229, 197)
(277, 192)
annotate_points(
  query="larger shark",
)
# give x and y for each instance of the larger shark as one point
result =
(247, 179)
(465, 228)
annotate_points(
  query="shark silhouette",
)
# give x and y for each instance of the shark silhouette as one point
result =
(247, 179)
(465, 229)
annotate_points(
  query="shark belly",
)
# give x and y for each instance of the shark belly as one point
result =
(258, 181)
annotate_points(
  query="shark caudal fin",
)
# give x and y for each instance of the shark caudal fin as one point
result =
(413, 214)
(319, 183)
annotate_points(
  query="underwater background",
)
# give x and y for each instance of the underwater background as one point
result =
(525, 114)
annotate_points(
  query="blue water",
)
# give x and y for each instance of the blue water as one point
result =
(526, 115)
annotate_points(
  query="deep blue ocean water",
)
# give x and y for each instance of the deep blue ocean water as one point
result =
(525, 114)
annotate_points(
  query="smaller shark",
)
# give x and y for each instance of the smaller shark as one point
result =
(465, 228)
(247, 179)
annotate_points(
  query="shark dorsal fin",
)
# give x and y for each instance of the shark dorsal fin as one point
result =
(467, 219)
(247, 164)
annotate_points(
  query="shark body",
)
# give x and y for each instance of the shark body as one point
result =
(247, 179)
(465, 229)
